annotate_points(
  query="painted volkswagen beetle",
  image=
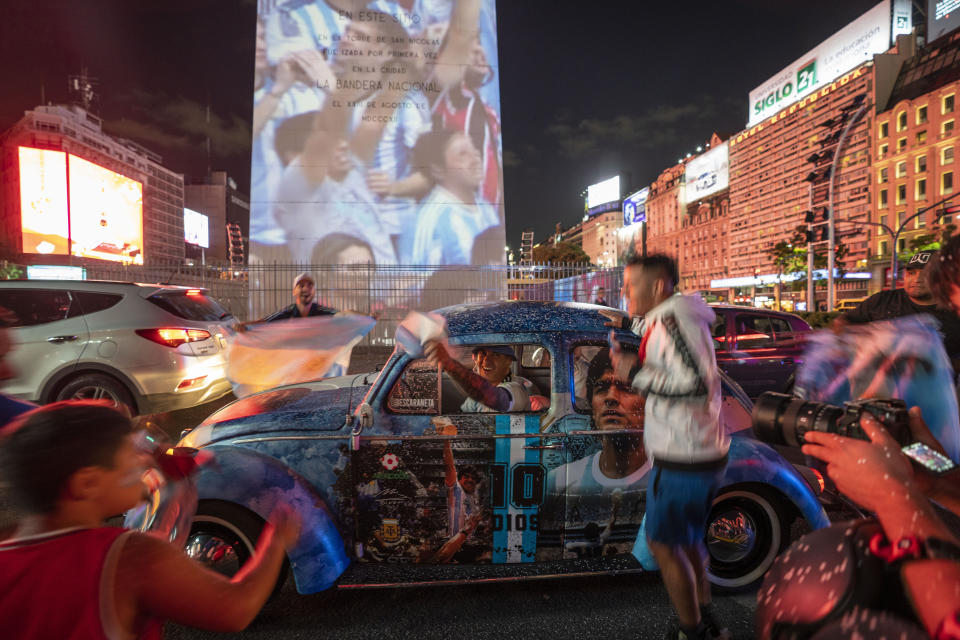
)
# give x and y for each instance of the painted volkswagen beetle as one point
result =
(395, 483)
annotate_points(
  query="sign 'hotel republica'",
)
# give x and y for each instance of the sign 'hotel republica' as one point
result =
(853, 45)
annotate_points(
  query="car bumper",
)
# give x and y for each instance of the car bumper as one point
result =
(162, 402)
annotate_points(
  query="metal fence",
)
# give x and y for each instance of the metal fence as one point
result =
(390, 291)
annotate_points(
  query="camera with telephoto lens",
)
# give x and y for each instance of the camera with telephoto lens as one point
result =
(779, 418)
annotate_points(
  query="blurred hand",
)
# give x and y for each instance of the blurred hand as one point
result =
(867, 472)
(839, 324)
(286, 523)
(314, 70)
(379, 182)
(284, 76)
(436, 353)
(623, 361)
(614, 318)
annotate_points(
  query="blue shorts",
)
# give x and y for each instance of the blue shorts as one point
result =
(678, 504)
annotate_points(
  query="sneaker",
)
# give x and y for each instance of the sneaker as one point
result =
(710, 619)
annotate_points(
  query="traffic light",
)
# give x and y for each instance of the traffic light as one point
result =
(808, 216)
(809, 236)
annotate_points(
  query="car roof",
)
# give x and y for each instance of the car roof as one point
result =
(737, 307)
(522, 317)
(95, 285)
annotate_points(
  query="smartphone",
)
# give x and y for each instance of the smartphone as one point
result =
(931, 460)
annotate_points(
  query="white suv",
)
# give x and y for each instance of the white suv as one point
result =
(152, 347)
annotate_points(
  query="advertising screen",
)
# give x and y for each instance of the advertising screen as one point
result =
(602, 193)
(106, 213)
(43, 201)
(853, 45)
(635, 207)
(708, 173)
(196, 228)
(378, 137)
(55, 272)
(943, 16)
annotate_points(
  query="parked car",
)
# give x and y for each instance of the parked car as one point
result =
(375, 464)
(150, 347)
(849, 304)
(760, 349)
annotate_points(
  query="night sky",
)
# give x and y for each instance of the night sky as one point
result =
(588, 90)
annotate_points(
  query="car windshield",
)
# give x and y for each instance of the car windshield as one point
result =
(190, 306)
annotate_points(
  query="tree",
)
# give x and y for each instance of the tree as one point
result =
(559, 253)
(790, 258)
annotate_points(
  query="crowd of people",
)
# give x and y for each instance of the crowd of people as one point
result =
(71, 465)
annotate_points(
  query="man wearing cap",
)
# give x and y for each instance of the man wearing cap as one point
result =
(915, 297)
(490, 386)
(304, 292)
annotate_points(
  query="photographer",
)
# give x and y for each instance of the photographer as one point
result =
(879, 477)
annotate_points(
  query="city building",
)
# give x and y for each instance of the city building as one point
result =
(49, 143)
(599, 238)
(217, 197)
(664, 206)
(703, 256)
(914, 142)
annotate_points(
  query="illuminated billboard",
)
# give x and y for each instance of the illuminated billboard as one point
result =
(196, 228)
(943, 16)
(378, 134)
(43, 201)
(604, 196)
(106, 213)
(708, 173)
(850, 47)
(635, 207)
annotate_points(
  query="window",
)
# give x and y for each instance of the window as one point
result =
(901, 193)
(417, 390)
(884, 129)
(882, 248)
(901, 245)
(883, 199)
(920, 164)
(37, 306)
(922, 114)
(946, 183)
(901, 144)
(590, 362)
(883, 219)
(946, 128)
(947, 106)
(753, 331)
(719, 332)
(921, 189)
(921, 137)
(946, 156)
(882, 176)
(902, 121)
(882, 151)
(93, 301)
(190, 306)
(902, 169)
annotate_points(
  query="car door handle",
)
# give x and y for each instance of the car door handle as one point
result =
(61, 339)
(543, 446)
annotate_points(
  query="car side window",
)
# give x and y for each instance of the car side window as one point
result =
(37, 306)
(753, 331)
(94, 301)
(530, 375)
(781, 328)
(582, 357)
(417, 390)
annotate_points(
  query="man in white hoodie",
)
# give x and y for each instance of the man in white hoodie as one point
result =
(682, 429)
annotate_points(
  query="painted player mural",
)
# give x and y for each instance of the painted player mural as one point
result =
(378, 120)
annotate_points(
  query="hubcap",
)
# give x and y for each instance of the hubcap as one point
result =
(731, 536)
(214, 551)
(94, 392)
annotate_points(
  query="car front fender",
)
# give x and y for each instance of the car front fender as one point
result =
(261, 483)
(752, 461)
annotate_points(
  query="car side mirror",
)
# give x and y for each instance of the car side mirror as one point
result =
(365, 413)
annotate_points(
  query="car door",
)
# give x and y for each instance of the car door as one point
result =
(754, 362)
(436, 485)
(48, 333)
(598, 492)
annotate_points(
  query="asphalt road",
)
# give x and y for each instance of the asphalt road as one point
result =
(597, 607)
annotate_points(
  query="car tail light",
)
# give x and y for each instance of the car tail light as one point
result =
(188, 383)
(194, 292)
(174, 337)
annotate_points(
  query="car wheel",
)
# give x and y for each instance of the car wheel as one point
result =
(223, 537)
(744, 536)
(96, 386)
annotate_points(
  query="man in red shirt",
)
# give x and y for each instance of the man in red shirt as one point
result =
(69, 467)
